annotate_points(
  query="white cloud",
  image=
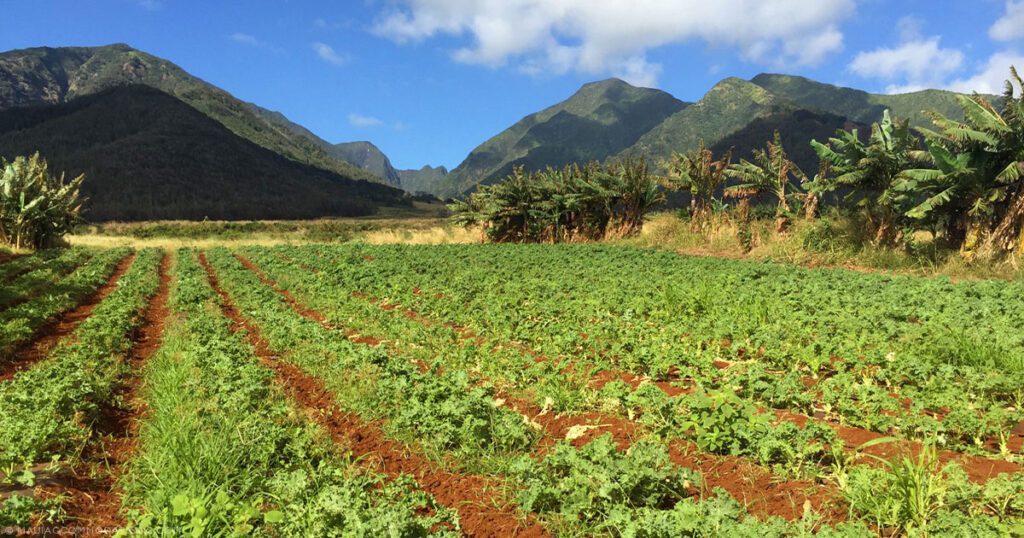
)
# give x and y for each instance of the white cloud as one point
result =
(920, 63)
(1011, 25)
(151, 5)
(244, 39)
(358, 120)
(992, 76)
(613, 36)
(328, 54)
(913, 63)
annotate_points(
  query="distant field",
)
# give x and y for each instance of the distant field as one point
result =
(495, 390)
(425, 223)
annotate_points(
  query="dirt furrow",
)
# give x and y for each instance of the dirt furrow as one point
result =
(51, 333)
(96, 505)
(482, 512)
(750, 484)
(979, 469)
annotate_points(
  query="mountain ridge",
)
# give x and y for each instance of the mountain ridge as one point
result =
(150, 156)
(54, 75)
(608, 113)
(734, 114)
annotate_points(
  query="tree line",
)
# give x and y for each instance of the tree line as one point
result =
(963, 181)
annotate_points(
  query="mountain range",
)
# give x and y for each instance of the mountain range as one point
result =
(611, 119)
(158, 142)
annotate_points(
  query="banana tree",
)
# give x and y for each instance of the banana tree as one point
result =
(771, 172)
(977, 185)
(638, 191)
(36, 208)
(699, 173)
(871, 171)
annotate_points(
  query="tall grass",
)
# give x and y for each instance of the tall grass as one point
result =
(835, 239)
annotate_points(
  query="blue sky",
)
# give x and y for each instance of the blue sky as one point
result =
(428, 80)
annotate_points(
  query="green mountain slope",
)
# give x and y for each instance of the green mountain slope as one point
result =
(425, 179)
(601, 119)
(362, 155)
(368, 157)
(860, 106)
(797, 127)
(727, 108)
(735, 113)
(56, 75)
(148, 155)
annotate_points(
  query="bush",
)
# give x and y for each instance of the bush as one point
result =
(36, 208)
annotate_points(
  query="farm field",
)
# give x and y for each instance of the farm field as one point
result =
(502, 390)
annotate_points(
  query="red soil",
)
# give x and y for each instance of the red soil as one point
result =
(41, 287)
(980, 469)
(97, 505)
(481, 510)
(48, 336)
(764, 494)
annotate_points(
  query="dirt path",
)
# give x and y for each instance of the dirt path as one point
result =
(51, 333)
(476, 499)
(764, 494)
(96, 505)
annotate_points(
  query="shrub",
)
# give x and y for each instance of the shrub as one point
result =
(36, 208)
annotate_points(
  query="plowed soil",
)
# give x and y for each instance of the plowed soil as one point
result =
(481, 510)
(96, 505)
(48, 336)
(980, 469)
(749, 483)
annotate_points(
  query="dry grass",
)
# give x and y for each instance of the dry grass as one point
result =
(804, 244)
(171, 243)
(437, 235)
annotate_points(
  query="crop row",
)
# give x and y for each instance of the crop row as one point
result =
(13, 267)
(48, 412)
(719, 422)
(221, 451)
(585, 453)
(781, 328)
(721, 387)
(20, 323)
(385, 394)
(23, 286)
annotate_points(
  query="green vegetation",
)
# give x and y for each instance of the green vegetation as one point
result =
(38, 276)
(472, 287)
(647, 395)
(36, 207)
(422, 180)
(222, 453)
(724, 110)
(731, 309)
(56, 75)
(129, 141)
(20, 322)
(599, 121)
(368, 157)
(735, 115)
(49, 410)
(859, 106)
(575, 204)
